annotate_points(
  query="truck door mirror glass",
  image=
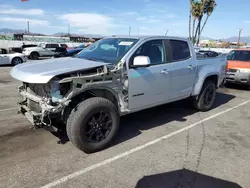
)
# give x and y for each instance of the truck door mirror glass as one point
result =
(141, 61)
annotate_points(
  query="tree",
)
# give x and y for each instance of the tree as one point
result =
(195, 15)
(208, 11)
(197, 11)
(190, 17)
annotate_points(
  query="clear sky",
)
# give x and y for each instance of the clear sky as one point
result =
(108, 17)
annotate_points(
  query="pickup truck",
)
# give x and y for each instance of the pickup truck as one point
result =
(113, 77)
(42, 50)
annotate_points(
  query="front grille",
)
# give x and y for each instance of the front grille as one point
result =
(41, 90)
(232, 70)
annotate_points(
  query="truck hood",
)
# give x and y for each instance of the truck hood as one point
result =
(43, 71)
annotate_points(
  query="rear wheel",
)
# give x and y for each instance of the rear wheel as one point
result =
(206, 97)
(34, 55)
(16, 61)
(93, 124)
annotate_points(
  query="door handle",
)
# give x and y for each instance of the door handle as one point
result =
(190, 66)
(165, 71)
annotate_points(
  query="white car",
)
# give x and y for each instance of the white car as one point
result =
(11, 58)
(43, 50)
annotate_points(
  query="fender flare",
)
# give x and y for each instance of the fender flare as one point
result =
(203, 74)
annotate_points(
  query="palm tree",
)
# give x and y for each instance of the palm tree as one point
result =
(202, 7)
(190, 17)
(210, 8)
(195, 15)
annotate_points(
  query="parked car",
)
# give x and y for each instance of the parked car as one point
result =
(208, 53)
(42, 50)
(113, 77)
(238, 66)
(11, 58)
(69, 52)
(20, 49)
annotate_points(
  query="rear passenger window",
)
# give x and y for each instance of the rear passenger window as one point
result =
(54, 45)
(180, 50)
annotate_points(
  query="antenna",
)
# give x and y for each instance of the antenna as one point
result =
(166, 32)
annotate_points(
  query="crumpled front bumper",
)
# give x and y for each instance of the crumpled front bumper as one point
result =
(38, 119)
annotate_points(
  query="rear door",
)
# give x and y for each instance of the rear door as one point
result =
(50, 49)
(183, 70)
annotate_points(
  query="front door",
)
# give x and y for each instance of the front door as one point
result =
(183, 70)
(4, 59)
(149, 85)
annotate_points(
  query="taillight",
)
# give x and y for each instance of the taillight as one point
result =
(227, 66)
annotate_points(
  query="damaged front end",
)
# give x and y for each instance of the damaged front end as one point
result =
(43, 103)
(46, 103)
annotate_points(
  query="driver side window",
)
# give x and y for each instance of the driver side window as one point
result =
(154, 49)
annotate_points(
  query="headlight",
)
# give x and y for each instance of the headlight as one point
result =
(244, 70)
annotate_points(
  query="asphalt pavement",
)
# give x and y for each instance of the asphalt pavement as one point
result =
(169, 146)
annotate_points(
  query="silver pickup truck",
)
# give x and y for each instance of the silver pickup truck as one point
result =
(115, 76)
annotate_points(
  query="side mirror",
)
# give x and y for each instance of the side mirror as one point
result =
(141, 61)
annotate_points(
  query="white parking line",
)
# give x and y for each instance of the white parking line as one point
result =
(8, 109)
(119, 156)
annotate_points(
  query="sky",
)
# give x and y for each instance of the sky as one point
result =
(108, 17)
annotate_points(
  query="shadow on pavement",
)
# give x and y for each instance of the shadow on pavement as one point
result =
(237, 86)
(183, 179)
(132, 124)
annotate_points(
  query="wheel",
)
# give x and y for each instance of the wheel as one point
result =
(17, 60)
(93, 124)
(206, 97)
(34, 55)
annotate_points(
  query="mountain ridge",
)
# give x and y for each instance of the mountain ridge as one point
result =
(244, 39)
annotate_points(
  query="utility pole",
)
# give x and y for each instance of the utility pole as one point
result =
(129, 30)
(239, 37)
(68, 29)
(28, 26)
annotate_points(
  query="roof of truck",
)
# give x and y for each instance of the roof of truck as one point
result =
(146, 37)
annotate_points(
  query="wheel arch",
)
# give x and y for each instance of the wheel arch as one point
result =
(11, 61)
(104, 92)
(213, 76)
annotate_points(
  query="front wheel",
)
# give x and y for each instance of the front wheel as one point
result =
(17, 60)
(93, 124)
(206, 97)
(34, 55)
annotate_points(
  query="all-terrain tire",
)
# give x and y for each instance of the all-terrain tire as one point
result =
(80, 115)
(199, 103)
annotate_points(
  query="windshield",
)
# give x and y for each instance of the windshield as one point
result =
(239, 55)
(110, 50)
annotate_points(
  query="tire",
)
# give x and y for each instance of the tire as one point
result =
(16, 60)
(201, 104)
(34, 55)
(78, 124)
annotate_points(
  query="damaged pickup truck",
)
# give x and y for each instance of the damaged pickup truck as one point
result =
(115, 76)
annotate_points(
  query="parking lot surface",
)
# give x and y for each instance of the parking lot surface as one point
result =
(169, 146)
